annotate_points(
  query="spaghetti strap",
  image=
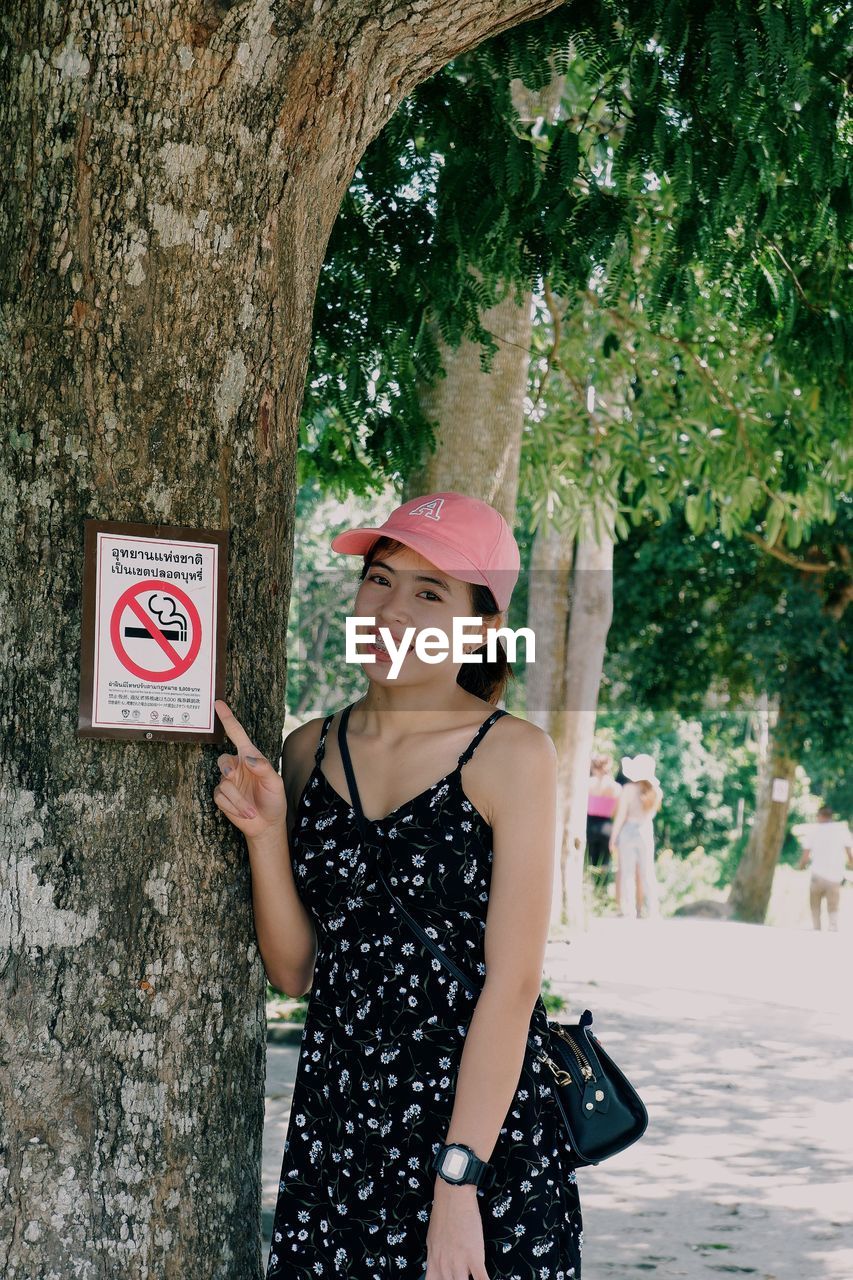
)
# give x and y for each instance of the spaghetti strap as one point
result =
(321, 745)
(481, 732)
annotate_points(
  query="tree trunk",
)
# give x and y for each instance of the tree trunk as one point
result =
(752, 886)
(589, 623)
(172, 175)
(548, 597)
(567, 687)
(479, 416)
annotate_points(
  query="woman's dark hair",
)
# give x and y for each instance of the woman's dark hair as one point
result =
(486, 680)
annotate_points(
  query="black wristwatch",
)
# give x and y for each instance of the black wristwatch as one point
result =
(458, 1164)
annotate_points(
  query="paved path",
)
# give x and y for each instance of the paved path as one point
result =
(734, 1037)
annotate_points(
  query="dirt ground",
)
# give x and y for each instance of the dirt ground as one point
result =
(739, 1039)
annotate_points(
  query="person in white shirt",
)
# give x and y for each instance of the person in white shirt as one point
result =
(828, 844)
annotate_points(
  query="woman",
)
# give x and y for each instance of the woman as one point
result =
(401, 1066)
(633, 839)
(602, 798)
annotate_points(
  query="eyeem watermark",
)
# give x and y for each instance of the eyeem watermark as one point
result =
(432, 645)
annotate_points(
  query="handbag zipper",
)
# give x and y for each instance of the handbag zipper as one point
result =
(586, 1069)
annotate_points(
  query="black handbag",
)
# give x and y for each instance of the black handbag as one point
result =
(601, 1110)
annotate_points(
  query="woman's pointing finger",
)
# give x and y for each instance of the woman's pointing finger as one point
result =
(234, 729)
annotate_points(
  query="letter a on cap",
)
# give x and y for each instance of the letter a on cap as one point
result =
(430, 509)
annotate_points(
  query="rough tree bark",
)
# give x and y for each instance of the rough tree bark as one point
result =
(171, 173)
(749, 896)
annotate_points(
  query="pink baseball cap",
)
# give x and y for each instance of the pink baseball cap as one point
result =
(465, 537)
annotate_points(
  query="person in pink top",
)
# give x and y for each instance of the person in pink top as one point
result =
(602, 799)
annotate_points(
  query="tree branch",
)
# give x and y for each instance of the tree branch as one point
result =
(805, 566)
(423, 43)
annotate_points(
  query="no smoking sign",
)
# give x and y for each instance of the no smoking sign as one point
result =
(153, 634)
(155, 631)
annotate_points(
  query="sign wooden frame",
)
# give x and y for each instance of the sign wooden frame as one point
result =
(167, 534)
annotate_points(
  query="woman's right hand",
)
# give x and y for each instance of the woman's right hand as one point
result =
(251, 792)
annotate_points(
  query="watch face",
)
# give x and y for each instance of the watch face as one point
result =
(454, 1163)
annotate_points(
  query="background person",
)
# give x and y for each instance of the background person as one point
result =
(602, 799)
(828, 844)
(632, 840)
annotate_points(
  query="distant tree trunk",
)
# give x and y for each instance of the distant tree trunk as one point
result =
(749, 896)
(171, 176)
(548, 596)
(565, 689)
(570, 613)
(589, 623)
(479, 415)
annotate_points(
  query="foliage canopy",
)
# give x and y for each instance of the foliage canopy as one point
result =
(722, 131)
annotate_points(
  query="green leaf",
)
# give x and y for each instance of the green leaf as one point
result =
(773, 521)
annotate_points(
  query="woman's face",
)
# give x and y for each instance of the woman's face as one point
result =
(401, 589)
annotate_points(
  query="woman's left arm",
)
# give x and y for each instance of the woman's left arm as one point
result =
(523, 815)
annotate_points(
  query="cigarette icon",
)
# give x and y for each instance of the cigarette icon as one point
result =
(173, 623)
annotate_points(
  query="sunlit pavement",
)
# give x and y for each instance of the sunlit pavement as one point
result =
(740, 1041)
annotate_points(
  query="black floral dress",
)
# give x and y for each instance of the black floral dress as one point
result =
(384, 1033)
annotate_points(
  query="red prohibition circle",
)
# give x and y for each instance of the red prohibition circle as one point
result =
(128, 599)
